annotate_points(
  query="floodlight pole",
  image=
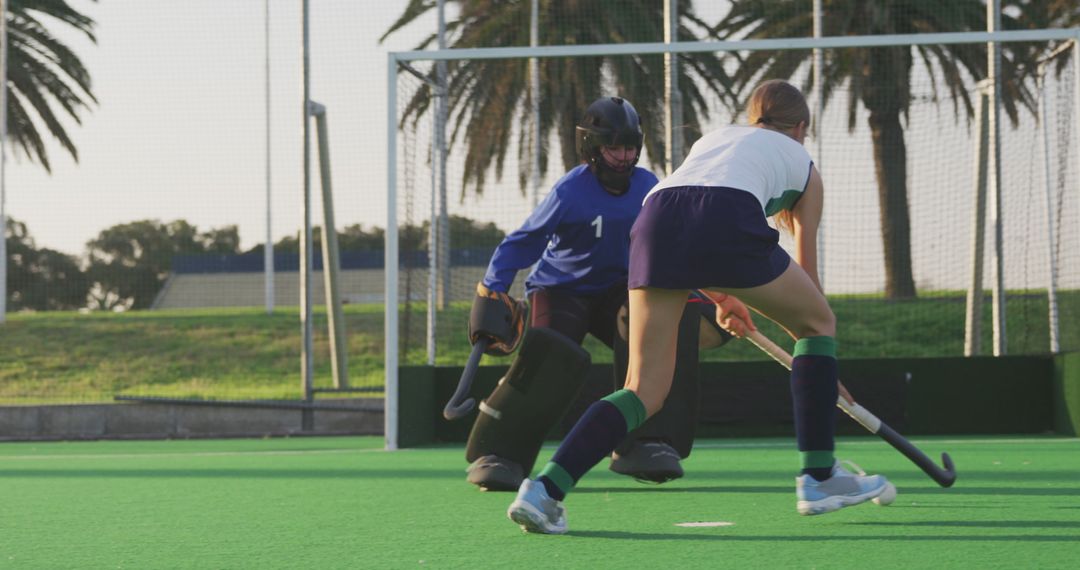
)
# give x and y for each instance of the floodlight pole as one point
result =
(534, 92)
(268, 248)
(307, 353)
(816, 121)
(673, 104)
(439, 281)
(433, 243)
(1048, 209)
(438, 228)
(973, 315)
(441, 104)
(1076, 96)
(3, 161)
(993, 22)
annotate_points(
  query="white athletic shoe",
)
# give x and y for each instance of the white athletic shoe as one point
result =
(843, 489)
(535, 511)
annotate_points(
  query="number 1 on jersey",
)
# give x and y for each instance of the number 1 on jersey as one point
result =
(599, 223)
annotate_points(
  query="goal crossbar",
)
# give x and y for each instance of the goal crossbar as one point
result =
(740, 45)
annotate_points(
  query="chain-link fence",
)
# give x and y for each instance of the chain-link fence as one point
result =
(901, 167)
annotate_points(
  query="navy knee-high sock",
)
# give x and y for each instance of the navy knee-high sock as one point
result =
(603, 425)
(814, 391)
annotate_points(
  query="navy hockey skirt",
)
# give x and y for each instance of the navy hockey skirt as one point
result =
(696, 237)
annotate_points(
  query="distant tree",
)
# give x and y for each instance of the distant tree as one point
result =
(41, 279)
(351, 238)
(128, 263)
(464, 232)
(355, 238)
(44, 76)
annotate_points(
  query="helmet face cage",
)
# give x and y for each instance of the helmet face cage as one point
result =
(609, 121)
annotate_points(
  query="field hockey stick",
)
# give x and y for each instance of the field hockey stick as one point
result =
(944, 477)
(459, 405)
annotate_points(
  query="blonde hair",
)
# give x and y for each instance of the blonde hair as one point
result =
(780, 106)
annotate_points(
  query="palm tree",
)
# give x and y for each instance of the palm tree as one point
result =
(879, 79)
(486, 97)
(1048, 13)
(1041, 14)
(44, 77)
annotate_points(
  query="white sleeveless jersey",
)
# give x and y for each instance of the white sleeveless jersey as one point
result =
(772, 166)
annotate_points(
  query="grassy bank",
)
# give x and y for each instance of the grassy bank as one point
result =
(245, 353)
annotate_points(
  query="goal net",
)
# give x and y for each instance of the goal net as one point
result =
(899, 239)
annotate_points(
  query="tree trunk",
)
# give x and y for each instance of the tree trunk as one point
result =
(890, 167)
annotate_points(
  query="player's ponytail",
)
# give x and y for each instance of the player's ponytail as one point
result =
(785, 220)
(777, 104)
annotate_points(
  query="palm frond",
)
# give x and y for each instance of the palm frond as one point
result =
(487, 98)
(43, 72)
(413, 10)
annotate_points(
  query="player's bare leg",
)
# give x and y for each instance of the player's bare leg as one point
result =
(654, 324)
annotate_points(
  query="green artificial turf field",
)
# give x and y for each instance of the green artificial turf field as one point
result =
(346, 503)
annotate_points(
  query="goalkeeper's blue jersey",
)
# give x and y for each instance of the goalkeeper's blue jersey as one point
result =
(580, 234)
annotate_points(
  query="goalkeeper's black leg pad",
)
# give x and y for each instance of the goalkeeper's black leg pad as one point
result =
(543, 381)
(494, 473)
(676, 423)
(651, 461)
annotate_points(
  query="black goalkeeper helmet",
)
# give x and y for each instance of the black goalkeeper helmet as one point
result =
(609, 121)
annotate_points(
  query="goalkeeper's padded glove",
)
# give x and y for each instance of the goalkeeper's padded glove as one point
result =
(499, 318)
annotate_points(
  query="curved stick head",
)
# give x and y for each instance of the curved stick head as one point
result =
(454, 411)
(947, 476)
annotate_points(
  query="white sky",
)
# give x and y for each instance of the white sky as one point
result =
(179, 131)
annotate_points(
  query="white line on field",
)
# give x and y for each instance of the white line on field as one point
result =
(845, 443)
(864, 441)
(193, 454)
(699, 445)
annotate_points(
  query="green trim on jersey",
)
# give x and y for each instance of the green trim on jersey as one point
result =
(784, 202)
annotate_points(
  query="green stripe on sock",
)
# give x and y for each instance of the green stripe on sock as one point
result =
(559, 476)
(630, 406)
(817, 459)
(816, 345)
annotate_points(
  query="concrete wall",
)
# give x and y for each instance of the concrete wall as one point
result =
(174, 421)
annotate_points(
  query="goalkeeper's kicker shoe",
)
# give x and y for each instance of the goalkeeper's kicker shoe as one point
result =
(535, 511)
(648, 461)
(843, 489)
(494, 473)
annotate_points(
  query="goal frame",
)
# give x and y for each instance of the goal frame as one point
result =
(396, 59)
